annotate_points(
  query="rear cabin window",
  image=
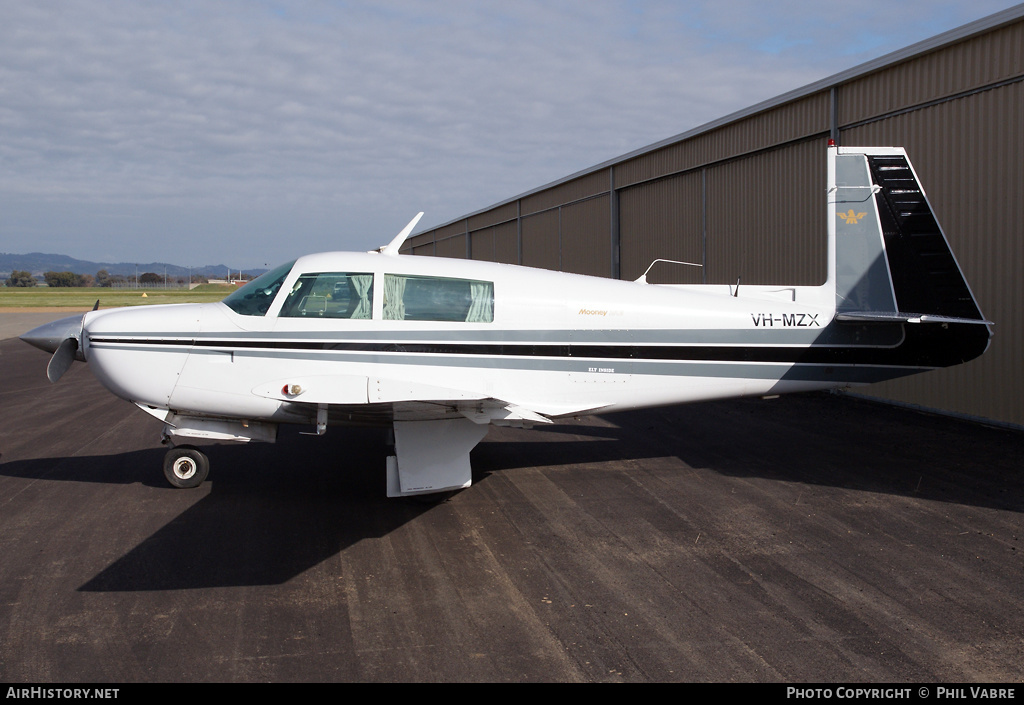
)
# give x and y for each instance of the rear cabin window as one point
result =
(417, 298)
(330, 295)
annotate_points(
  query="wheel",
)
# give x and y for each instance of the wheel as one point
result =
(186, 467)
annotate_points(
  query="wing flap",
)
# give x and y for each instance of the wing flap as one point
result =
(432, 456)
(500, 414)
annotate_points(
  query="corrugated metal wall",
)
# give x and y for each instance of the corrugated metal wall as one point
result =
(766, 217)
(541, 245)
(582, 253)
(745, 197)
(969, 153)
(663, 219)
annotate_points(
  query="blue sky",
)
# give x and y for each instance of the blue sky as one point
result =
(247, 133)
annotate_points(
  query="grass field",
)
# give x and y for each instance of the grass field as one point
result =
(85, 297)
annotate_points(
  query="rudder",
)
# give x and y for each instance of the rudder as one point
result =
(891, 261)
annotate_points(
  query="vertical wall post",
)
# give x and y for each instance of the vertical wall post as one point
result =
(613, 217)
(519, 230)
(704, 225)
(833, 114)
(560, 269)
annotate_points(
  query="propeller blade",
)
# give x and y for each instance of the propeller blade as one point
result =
(62, 359)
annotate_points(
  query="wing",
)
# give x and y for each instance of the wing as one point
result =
(435, 428)
(410, 400)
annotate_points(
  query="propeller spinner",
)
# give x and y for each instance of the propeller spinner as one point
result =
(60, 337)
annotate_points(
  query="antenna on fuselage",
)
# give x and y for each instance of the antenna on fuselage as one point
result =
(392, 247)
(642, 279)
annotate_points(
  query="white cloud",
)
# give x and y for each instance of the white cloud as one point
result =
(250, 132)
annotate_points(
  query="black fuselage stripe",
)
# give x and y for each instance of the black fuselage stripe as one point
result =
(757, 354)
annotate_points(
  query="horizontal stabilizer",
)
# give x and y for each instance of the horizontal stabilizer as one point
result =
(897, 317)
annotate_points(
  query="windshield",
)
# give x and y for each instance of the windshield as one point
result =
(255, 298)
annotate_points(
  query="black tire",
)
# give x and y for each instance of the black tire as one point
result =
(186, 467)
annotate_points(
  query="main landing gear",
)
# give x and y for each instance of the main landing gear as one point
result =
(186, 467)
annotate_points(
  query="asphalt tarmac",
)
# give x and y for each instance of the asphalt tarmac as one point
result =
(812, 538)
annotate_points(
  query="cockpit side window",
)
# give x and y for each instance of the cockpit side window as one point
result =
(330, 295)
(254, 298)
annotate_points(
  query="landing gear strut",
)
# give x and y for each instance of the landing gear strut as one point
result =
(186, 467)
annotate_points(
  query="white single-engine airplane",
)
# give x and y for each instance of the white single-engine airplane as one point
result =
(441, 348)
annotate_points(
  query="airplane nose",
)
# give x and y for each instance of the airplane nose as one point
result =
(49, 336)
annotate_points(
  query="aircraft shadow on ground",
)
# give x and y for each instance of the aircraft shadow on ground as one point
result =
(272, 512)
(270, 515)
(815, 439)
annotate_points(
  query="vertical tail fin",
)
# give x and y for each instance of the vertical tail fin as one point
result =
(889, 259)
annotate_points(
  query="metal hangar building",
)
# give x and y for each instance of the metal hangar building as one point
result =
(745, 197)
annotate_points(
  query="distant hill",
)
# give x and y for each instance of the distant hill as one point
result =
(37, 263)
